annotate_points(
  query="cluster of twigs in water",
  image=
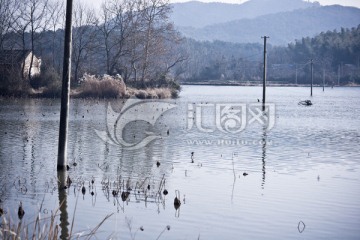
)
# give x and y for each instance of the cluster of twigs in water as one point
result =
(143, 190)
(41, 227)
(122, 189)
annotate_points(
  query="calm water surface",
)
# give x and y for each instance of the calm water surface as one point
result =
(304, 169)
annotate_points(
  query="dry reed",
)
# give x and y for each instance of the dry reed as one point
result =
(43, 228)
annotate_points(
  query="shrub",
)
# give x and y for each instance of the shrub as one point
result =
(152, 93)
(101, 87)
(163, 81)
(48, 83)
(142, 94)
(48, 77)
(12, 84)
(52, 91)
(174, 93)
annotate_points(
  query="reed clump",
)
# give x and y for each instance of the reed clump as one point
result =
(48, 84)
(152, 93)
(41, 228)
(105, 86)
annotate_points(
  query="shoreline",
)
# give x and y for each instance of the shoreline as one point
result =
(146, 93)
(260, 85)
(158, 93)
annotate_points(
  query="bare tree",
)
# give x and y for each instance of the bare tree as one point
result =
(158, 38)
(84, 35)
(168, 52)
(155, 14)
(32, 18)
(107, 30)
(116, 30)
(56, 13)
(7, 18)
(134, 43)
(36, 15)
(138, 38)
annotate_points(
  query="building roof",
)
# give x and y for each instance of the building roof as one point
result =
(10, 57)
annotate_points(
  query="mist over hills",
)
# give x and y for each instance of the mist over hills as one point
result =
(198, 14)
(282, 20)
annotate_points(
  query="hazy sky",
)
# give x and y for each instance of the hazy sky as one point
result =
(354, 3)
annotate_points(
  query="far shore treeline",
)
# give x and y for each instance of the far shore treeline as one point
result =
(336, 57)
(133, 45)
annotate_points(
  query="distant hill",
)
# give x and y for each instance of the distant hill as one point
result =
(198, 14)
(283, 27)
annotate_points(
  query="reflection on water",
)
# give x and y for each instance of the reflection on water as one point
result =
(263, 157)
(64, 221)
(306, 168)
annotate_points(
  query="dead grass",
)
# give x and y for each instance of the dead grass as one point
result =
(41, 228)
(100, 87)
(92, 86)
(49, 84)
(152, 93)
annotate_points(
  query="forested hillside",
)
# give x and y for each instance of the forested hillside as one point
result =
(335, 54)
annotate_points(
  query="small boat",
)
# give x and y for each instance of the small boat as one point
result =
(305, 103)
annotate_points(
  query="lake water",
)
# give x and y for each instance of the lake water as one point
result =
(302, 163)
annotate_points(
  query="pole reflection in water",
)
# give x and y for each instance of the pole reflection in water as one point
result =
(263, 156)
(64, 223)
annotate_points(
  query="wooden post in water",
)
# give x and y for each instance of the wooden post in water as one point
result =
(65, 92)
(264, 75)
(311, 77)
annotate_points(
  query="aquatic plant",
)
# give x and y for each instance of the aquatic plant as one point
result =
(141, 228)
(177, 201)
(166, 228)
(43, 227)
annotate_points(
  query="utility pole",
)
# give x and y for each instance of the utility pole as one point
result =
(296, 73)
(323, 79)
(339, 75)
(311, 77)
(65, 91)
(264, 74)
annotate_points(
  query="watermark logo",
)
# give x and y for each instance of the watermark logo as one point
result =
(231, 117)
(228, 142)
(132, 111)
(265, 117)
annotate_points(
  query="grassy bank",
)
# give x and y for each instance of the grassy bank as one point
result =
(91, 86)
(114, 87)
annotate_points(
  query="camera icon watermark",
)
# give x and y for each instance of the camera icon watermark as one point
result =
(134, 110)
